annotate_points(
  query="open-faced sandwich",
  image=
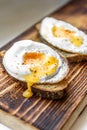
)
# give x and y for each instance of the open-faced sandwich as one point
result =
(69, 40)
(42, 68)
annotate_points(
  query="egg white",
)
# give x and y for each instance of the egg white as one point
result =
(13, 60)
(62, 43)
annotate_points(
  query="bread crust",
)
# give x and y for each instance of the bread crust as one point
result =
(50, 91)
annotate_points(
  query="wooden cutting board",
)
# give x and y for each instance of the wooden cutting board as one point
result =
(35, 113)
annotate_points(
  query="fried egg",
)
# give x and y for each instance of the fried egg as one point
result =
(63, 35)
(34, 62)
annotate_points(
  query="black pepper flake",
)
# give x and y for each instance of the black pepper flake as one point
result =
(48, 61)
(23, 63)
(3, 71)
(46, 74)
(35, 71)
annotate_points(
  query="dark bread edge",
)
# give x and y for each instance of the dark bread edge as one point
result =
(45, 91)
(47, 94)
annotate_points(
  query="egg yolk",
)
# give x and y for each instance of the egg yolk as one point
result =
(62, 32)
(42, 65)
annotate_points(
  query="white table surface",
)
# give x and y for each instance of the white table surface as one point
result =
(18, 15)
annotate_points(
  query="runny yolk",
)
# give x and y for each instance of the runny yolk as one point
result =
(62, 32)
(42, 65)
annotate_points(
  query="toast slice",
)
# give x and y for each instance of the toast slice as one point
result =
(50, 91)
(72, 57)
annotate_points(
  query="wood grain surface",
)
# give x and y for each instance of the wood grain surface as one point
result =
(42, 113)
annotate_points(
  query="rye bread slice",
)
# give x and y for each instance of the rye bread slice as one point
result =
(72, 57)
(50, 91)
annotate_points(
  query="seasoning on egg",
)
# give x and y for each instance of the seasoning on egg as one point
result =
(42, 65)
(61, 32)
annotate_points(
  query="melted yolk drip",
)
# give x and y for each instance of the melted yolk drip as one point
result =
(62, 32)
(42, 65)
